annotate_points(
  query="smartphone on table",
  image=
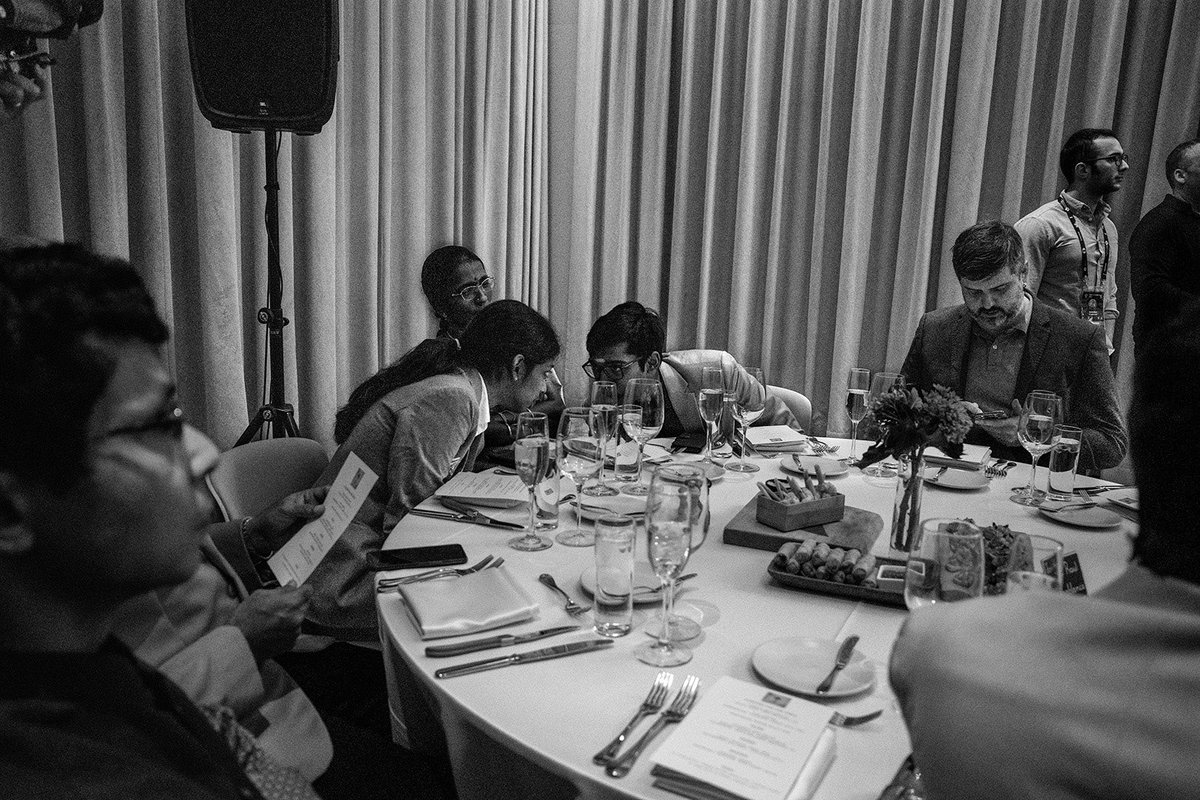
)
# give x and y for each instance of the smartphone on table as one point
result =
(437, 555)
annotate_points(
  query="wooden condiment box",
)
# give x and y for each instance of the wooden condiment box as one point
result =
(790, 516)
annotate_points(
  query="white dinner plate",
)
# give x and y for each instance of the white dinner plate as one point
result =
(644, 582)
(799, 664)
(832, 467)
(1094, 517)
(714, 472)
(956, 478)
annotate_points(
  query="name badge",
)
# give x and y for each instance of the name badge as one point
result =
(1091, 305)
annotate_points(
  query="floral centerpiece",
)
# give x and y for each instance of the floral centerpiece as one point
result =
(910, 421)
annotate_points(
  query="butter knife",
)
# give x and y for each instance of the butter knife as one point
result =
(476, 517)
(843, 658)
(462, 648)
(557, 651)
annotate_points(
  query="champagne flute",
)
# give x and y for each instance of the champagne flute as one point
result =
(604, 404)
(679, 627)
(748, 407)
(856, 403)
(1035, 431)
(946, 565)
(531, 452)
(669, 542)
(711, 400)
(642, 419)
(579, 458)
(881, 384)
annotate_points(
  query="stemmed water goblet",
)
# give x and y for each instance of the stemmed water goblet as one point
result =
(642, 418)
(859, 383)
(531, 453)
(669, 520)
(881, 384)
(711, 400)
(1035, 431)
(604, 406)
(579, 458)
(748, 407)
(679, 627)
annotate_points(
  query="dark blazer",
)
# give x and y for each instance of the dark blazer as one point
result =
(1063, 354)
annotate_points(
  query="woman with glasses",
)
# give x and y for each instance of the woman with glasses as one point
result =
(416, 423)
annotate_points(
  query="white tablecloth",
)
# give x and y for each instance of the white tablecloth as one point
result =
(531, 730)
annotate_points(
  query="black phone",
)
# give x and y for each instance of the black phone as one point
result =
(438, 555)
(691, 442)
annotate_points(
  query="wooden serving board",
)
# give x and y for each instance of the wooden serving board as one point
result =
(857, 529)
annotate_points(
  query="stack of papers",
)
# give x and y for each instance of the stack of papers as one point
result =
(776, 439)
(974, 456)
(743, 741)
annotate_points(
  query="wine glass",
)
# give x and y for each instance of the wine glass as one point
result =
(747, 408)
(531, 452)
(669, 508)
(711, 400)
(881, 384)
(1035, 431)
(856, 403)
(679, 627)
(642, 419)
(946, 565)
(1035, 563)
(604, 404)
(579, 450)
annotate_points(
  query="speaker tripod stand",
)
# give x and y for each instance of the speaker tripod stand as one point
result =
(276, 415)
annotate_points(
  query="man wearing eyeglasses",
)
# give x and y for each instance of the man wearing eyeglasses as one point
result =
(1070, 242)
(630, 342)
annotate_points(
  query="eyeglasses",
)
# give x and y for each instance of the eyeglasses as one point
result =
(476, 291)
(597, 369)
(1115, 159)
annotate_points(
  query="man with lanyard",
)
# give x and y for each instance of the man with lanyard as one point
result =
(1070, 242)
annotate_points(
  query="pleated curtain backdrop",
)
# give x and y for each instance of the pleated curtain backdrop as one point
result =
(782, 179)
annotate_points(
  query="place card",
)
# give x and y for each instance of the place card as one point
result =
(743, 741)
(1073, 582)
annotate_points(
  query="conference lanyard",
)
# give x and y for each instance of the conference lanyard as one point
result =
(1083, 259)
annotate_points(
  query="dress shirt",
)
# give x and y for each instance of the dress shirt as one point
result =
(1052, 250)
(994, 360)
(1164, 264)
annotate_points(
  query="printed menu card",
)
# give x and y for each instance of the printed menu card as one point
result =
(743, 741)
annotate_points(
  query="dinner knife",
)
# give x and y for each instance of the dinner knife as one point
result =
(476, 516)
(462, 648)
(843, 658)
(557, 651)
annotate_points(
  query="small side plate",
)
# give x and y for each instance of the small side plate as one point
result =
(798, 664)
(960, 479)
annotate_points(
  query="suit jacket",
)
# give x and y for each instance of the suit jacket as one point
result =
(1053, 695)
(681, 372)
(1063, 354)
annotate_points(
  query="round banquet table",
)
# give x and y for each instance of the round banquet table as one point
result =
(530, 730)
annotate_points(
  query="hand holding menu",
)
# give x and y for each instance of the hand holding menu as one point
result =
(743, 741)
(297, 559)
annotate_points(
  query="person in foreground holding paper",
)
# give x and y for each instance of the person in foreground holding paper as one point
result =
(415, 424)
(1050, 694)
(102, 498)
(1002, 343)
(630, 341)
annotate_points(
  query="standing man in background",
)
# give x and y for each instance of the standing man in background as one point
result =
(1165, 248)
(1070, 242)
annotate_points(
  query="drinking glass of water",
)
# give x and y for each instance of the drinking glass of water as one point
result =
(946, 565)
(1064, 457)
(531, 453)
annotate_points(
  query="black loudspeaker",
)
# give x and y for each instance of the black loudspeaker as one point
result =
(264, 64)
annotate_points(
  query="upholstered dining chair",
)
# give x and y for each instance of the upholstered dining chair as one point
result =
(250, 478)
(799, 405)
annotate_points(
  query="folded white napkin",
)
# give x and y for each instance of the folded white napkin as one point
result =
(478, 602)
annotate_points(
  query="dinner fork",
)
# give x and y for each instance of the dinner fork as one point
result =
(680, 706)
(653, 702)
(572, 608)
(842, 721)
(387, 583)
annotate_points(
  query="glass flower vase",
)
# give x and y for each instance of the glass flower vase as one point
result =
(906, 510)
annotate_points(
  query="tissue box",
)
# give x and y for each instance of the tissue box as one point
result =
(790, 516)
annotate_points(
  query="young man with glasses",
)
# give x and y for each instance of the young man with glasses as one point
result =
(1070, 242)
(630, 342)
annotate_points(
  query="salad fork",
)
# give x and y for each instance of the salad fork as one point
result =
(680, 706)
(653, 702)
(842, 721)
(388, 583)
(572, 608)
